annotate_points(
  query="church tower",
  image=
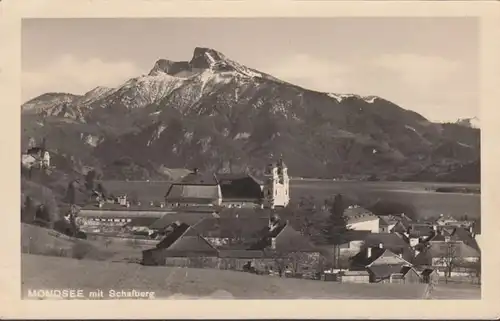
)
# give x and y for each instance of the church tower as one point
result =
(284, 183)
(277, 185)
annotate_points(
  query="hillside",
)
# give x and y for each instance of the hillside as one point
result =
(39, 272)
(214, 113)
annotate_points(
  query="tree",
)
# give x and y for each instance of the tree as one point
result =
(28, 211)
(90, 180)
(42, 214)
(71, 193)
(336, 227)
(450, 258)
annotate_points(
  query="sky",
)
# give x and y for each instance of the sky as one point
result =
(429, 64)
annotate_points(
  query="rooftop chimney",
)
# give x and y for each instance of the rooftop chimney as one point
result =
(195, 170)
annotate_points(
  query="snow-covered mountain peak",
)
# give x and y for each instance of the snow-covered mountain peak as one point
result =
(341, 97)
(206, 58)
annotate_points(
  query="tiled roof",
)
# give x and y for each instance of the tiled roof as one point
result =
(385, 271)
(289, 240)
(245, 212)
(421, 230)
(201, 193)
(385, 220)
(190, 218)
(461, 234)
(356, 214)
(355, 235)
(173, 236)
(444, 249)
(225, 178)
(361, 259)
(243, 187)
(228, 227)
(191, 243)
(199, 179)
(389, 240)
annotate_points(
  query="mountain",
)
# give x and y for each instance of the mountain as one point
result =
(216, 114)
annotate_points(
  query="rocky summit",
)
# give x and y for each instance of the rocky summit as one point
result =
(216, 114)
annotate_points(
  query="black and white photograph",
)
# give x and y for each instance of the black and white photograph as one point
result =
(246, 156)
(250, 158)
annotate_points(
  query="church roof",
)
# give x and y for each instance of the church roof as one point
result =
(199, 179)
(193, 193)
(241, 186)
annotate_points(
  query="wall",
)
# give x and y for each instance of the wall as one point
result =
(412, 277)
(372, 225)
(355, 279)
(240, 204)
(353, 248)
(122, 213)
(414, 241)
(297, 262)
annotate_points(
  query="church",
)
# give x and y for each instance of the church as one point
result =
(232, 190)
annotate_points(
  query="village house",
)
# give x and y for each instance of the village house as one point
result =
(389, 241)
(402, 225)
(353, 242)
(457, 251)
(384, 266)
(446, 220)
(232, 243)
(36, 157)
(361, 219)
(387, 223)
(419, 233)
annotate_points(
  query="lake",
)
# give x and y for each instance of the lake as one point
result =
(428, 203)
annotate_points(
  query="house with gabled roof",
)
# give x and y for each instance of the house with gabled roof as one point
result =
(387, 223)
(384, 266)
(223, 243)
(361, 219)
(449, 256)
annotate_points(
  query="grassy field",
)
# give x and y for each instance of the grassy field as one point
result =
(42, 241)
(456, 291)
(428, 203)
(40, 272)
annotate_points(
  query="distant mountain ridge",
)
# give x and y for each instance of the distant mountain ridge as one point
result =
(216, 114)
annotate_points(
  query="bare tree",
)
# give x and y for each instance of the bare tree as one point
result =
(450, 258)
